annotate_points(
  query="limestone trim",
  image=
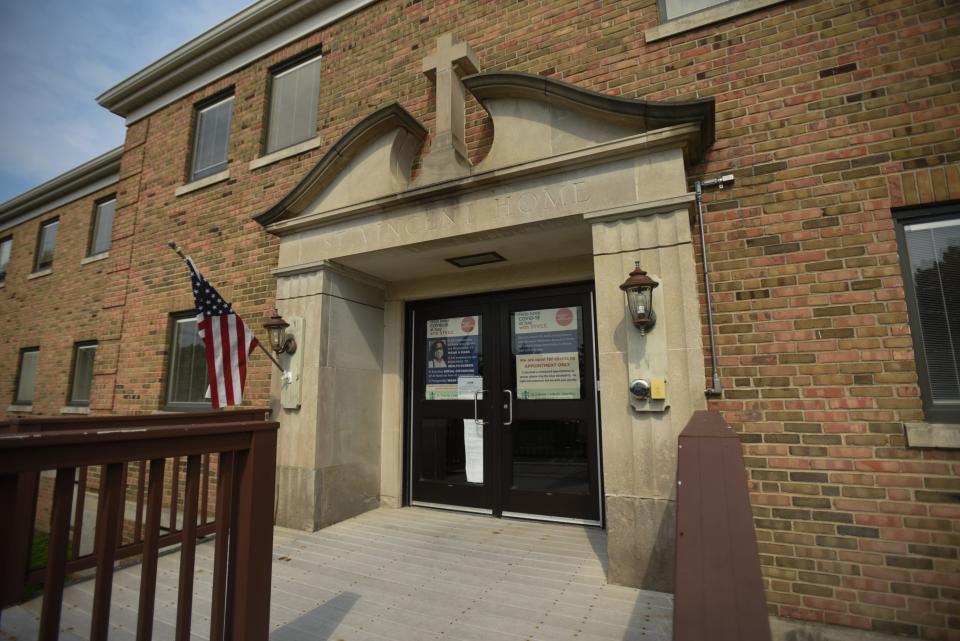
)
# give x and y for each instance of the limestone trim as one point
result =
(41, 273)
(933, 435)
(328, 266)
(662, 206)
(676, 137)
(20, 409)
(75, 409)
(699, 19)
(286, 152)
(94, 258)
(380, 122)
(648, 115)
(212, 179)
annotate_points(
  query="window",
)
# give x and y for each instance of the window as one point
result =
(673, 9)
(45, 245)
(294, 97)
(187, 377)
(678, 16)
(212, 138)
(102, 226)
(929, 241)
(27, 375)
(6, 245)
(83, 357)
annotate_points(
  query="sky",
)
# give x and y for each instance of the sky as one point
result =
(57, 56)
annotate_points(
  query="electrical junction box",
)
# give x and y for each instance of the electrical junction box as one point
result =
(658, 389)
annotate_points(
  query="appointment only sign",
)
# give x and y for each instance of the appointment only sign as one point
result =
(547, 351)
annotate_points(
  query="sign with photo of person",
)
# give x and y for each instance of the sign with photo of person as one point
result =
(452, 353)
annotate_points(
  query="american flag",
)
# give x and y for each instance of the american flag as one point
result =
(226, 340)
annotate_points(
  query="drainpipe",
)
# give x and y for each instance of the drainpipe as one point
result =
(717, 388)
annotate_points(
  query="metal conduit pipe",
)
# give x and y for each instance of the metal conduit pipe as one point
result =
(717, 388)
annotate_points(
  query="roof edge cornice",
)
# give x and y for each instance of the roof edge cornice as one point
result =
(99, 168)
(216, 46)
(385, 119)
(652, 114)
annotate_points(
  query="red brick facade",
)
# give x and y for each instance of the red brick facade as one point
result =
(828, 113)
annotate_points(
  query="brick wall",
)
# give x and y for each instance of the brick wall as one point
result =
(50, 312)
(829, 113)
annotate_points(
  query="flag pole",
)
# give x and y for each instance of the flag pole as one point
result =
(270, 356)
(173, 245)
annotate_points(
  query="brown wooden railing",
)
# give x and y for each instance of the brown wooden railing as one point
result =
(245, 449)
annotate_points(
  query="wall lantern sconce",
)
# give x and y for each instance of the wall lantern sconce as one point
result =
(638, 288)
(280, 341)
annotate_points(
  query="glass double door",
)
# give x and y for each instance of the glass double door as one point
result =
(503, 404)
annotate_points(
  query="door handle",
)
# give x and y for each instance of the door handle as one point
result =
(476, 418)
(509, 406)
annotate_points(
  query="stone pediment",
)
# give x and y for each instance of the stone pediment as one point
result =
(371, 160)
(537, 117)
(536, 121)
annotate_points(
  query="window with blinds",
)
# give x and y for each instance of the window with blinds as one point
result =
(102, 229)
(294, 98)
(212, 138)
(46, 243)
(932, 283)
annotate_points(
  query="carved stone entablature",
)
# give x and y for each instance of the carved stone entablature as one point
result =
(541, 127)
(537, 117)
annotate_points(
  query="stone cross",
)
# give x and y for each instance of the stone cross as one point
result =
(445, 66)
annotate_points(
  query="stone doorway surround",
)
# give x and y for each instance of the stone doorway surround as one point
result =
(576, 186)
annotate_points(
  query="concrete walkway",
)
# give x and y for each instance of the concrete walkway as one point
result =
(405, 575)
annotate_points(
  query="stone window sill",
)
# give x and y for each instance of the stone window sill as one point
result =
(41, 273)
(937, 435)
(94, 258)
(212, 179)
(74, 409)
(707, 16)
(20, 409)
(287, 152)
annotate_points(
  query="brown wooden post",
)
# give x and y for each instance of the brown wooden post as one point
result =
(224, 519)
(174, 493)
(109, 511)
(148, 570)
(141, 487)
(188, 548)
(254, 540)
(719, 591)
(57, 555)
(78, 514)
(8, 576)
(17, 550)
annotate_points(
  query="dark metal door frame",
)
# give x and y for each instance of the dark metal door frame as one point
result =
(496, 496)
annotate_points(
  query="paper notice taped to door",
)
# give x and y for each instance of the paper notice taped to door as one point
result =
(547, 343)
(470, 387)
(473, 448)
